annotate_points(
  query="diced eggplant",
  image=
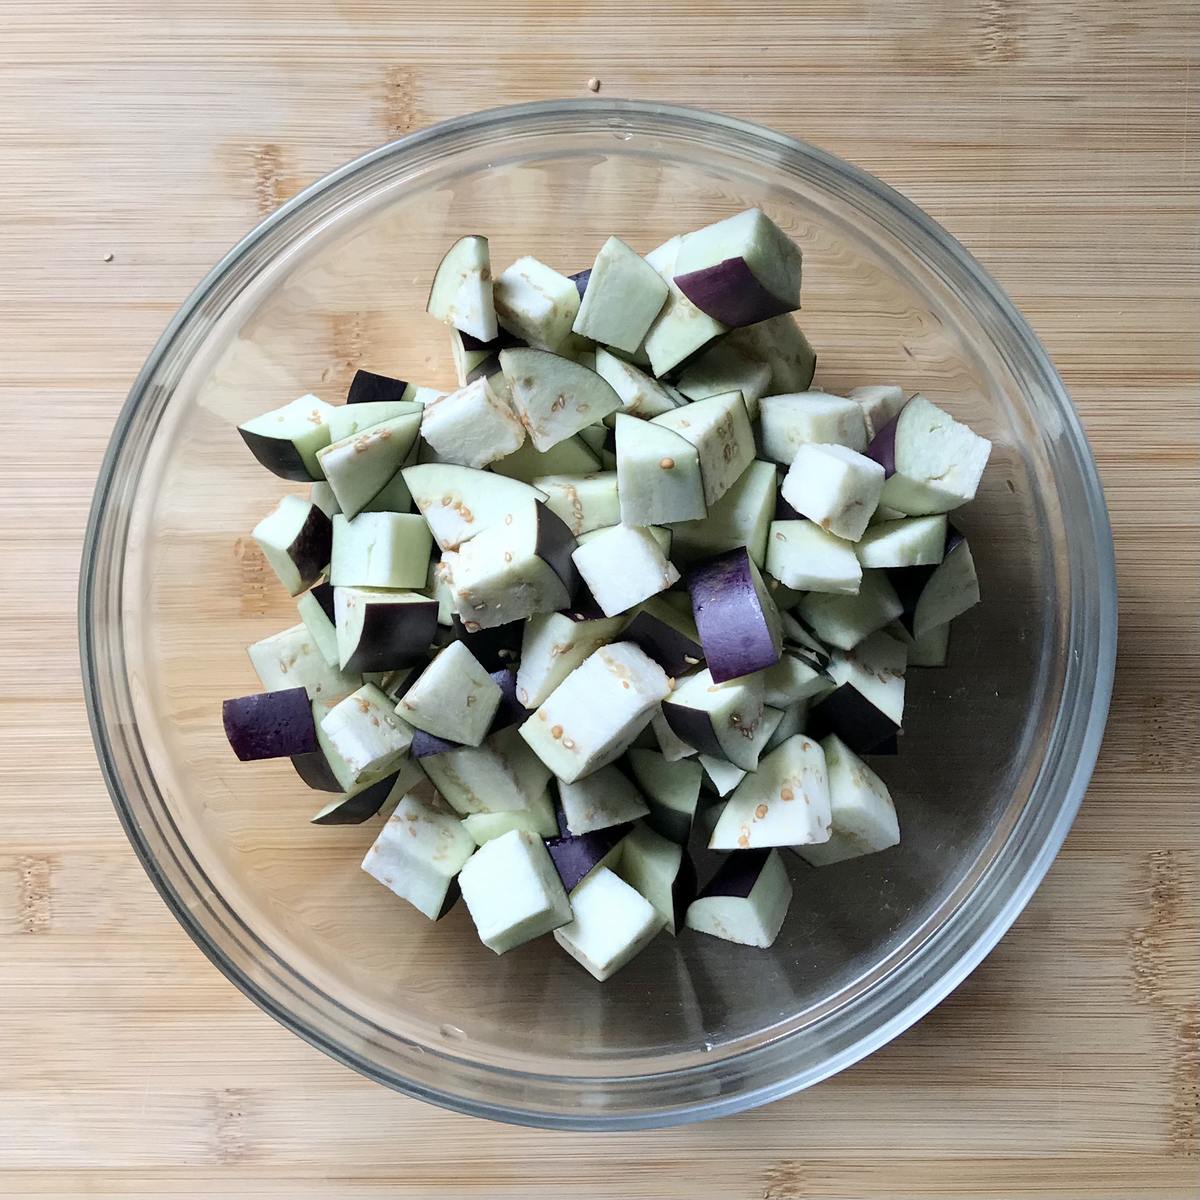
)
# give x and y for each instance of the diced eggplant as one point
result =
(429, 745)
(784, 803)
(472, 426)
(394, 496)
(552, 646)
(880, 403)
(622, 566)
(380, 550)
(863, 816)
(741, 517)
(741, 270)
(837, 488)
(473, 359)
(270, 725)
(555, 397)
(809, 418)
(792, 720)
(461, 295)
(611, 923)
(313, 767)
(661, 871)
(669, 744)
(723, 775)
(641, 395)
(737, 620)
(350, 419)
(512, 890)
(719, 428)
(317, 612)
(286, 440)
(797, 637)
(365, 735)
(453, 698)
(460, 502)
(781, 344)
(791, 679)
(933, 596)
(605, 798)
(536, 304)
(931, 649)
(723, 368)
(382, 630)
(658, 474)
(622, 297)
(667, 635)
(597, 711)
(321, 494)
(580, 280)
(496, 648)
(866, 707)
(583, 502)
(368, 800)
(933, 463)
(801, 555)
(514, 570)
(680, 329)
(745, 901)
(369, 388)
(844, 621)
(538, 819)
(571, 456)
(502, 775)
(721, 719)
(360, 466)
(672, 790)
(785, 597)
(575, 858)
(291, 659)
(296, 539)
(908, 542)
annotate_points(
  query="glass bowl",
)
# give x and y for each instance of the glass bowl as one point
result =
(998, 746)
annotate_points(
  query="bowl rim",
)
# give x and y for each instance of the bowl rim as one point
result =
(970, 944)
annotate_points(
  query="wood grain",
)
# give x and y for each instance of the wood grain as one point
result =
(1057, 140)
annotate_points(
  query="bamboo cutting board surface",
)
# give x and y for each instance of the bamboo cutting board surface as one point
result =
(1057, 140)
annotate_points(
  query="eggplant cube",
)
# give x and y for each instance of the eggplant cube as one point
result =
(934, 596)
(641, 395)
(836, 487)
(286, 440)
(866, 706)
(596, 712)
(623, 296)
(366, 734)
(575, 858)
(720, 719)
(316, 608)
(719, 428)
(359, 466)
(460, 502)
(350, 419)
(552, 646)
(622, 566)
(801, 555)
(745, 901)
(502, 775)
(844, 621)
(382, 630)
(291, 658)
(535, 303)
(672, 789)
(933, 462)
(611, 924)
(604, 799)
(793, 679)
(454, 697)
(803, 418)
(880, 404)
(742, 517)
(724, 368)
(555, 397)
(270, 725)
(908, 542)
(667, 634)
(680, 329)
(722, 774)
(660, 870)
(781, 344)
(512, 890)
(380, 550)
(417, 855)
(670, 745)
(582, 502)
(738, 622)
(784, 803)
(472, 426)
(571, 456)
(658, 474)
(461, 295)
(538, 818)
(296, 539)
(864, 818)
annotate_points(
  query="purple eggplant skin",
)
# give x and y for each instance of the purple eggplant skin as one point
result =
(510, 711)
(732, 625)
(494, 648)
(428, 745)
(555, 545)
(394, 635)
(737, 874)
(847, 713)
(312, 546)
(316, 772)
(278, 455)
(910, 582)
(675, 652)
(489, 367)
(366, 387)
(453, 893)
(883, 446)
(322, 593)
(585, 607)
(888, 748)
(574, 857)
(580, 280)
(354, 810)
(731, 293)
(694, 726)
(270, 724)
(502, 341)
(784, 511)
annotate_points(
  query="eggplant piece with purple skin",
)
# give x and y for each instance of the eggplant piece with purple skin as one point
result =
(580, 280)
(935, 595)
(660, 870)
(667, 636)
(736, 618)
(745, 901)
(427, 745)
(356, 807)
(495, 648)
(367, 388)
(380, 630)
(511, 710)
(316, 772)
(575, 857)
(296, 538)
(270, 724)
(286, 440)
(866, 709)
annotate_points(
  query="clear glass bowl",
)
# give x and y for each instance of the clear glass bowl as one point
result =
(998, 748)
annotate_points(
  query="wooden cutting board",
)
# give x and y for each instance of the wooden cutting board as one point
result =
(1057, 140)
